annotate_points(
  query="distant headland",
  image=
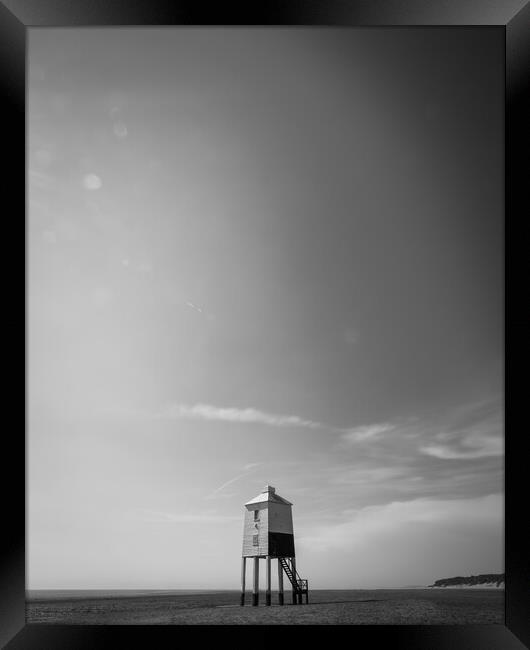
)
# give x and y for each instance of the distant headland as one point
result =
(483, 581)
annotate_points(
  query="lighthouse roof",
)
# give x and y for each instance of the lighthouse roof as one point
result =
(268, 494)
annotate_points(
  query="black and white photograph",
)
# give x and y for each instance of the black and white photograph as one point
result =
(265, 346)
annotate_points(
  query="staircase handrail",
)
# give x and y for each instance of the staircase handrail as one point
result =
(300, 583)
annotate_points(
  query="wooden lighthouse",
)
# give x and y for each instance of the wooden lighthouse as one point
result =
(268, 534)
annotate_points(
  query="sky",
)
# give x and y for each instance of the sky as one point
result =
(264, 256)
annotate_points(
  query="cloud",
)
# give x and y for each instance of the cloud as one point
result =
(199, 310)
(92, 182)
(120, 130)
(368, 476)
(247, 469)
(451, 454)
(471, 431)
(251, 466)
(233, 414)
(359, 527)
(479, 436)
(194, 307)
(227, 483)
(469, 449)
(365, 432)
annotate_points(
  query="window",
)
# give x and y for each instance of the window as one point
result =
(255, 540)
(256, 515)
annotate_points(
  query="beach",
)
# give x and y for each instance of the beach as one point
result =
(326, 607)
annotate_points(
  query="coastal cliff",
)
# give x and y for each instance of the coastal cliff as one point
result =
(483, 581)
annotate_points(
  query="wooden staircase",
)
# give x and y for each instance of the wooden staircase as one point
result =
(300, 586)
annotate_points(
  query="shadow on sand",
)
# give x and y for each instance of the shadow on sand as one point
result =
(320, 602)
(342, 602)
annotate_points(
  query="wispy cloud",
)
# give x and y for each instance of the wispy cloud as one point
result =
(194, 307)
(479, 436)
(233, 414)
(363, 476)
(468, 448)
(248, 469)
(365, 432)
(360, 526)
(92, 182)
(451, 454)
(227, 483)
(199, 310)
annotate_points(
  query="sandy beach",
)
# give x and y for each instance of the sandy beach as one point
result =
(326, 607)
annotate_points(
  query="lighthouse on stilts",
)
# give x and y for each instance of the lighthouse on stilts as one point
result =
(268, 534)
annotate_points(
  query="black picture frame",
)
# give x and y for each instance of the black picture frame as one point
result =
(512, 16)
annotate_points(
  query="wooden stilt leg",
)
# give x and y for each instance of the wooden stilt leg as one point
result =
(268, 588)
(255, 591)
(280, 582)
(243, 575)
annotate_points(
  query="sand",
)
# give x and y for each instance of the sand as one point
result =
(334, 607)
